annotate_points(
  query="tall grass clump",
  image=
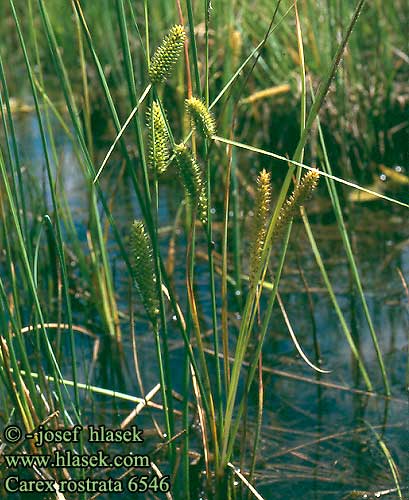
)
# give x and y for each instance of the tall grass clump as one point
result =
(174, 119)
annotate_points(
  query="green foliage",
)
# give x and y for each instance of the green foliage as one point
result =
(88, 64)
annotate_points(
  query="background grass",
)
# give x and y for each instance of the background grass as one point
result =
(77, 69)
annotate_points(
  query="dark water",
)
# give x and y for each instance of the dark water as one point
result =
(318, 439)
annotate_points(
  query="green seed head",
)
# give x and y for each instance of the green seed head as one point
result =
(167, 54)
(143, 269)
(261, 214)
(299, 196)
(201, 117)
(192, 180)
(158, 139)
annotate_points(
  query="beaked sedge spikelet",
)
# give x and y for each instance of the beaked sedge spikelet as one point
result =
(299, 196)
(192, 180)
(261, 215)
(201, 117)
(167, 54)
(236, 43)
(143, 269)
(158, 139)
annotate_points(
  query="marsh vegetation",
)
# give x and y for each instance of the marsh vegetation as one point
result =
(203, 235)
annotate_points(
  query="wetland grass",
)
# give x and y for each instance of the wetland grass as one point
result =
(176, 119)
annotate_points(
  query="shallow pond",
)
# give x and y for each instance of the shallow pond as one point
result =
(321, 435)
